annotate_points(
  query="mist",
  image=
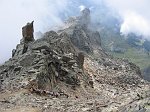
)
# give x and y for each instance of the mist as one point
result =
(133, 15)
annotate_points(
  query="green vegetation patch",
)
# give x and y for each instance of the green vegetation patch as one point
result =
(137, 56)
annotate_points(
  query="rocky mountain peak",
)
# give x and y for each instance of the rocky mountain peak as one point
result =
(27, 32)
(69, 71)
(85, 12)
(83, 20)
(85, 17)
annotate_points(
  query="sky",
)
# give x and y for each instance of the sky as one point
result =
(47, 13)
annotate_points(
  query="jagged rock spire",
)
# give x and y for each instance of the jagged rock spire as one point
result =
(85, 17)
(27, 32)
(85, 12)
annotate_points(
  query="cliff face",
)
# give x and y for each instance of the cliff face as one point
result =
(69, 71)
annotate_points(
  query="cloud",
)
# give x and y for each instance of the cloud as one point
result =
(82, 7)
(134, 14)
(136, 24)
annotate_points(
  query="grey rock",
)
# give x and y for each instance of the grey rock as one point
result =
(27, 32)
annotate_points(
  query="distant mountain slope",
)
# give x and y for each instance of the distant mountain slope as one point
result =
(132, 47)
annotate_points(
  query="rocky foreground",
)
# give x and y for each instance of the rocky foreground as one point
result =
(68, 71)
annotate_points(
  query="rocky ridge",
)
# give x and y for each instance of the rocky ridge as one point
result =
(68, 71)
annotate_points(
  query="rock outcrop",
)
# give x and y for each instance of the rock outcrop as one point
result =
(81, 34)
(68, 71)
(26, 41)
(85, 18)
(27, 32)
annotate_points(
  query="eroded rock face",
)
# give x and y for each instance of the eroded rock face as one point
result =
(80, 39)
(27, 32)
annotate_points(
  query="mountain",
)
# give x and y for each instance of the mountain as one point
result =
(69, 71)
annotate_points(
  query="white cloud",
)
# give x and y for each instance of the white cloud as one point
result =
(82, 7)
(135, 15)
(136, 24)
